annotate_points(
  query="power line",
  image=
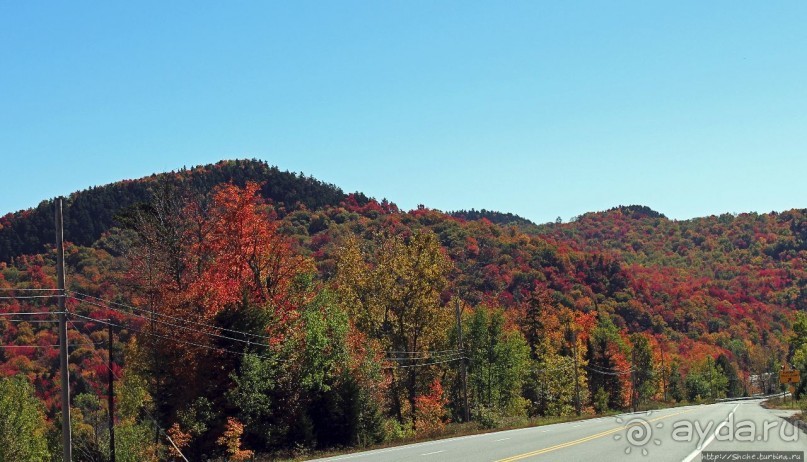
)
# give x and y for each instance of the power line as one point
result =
(29, 313)
(175, 318)
(441, 355)
(15, 289)
(409, 361)
(418, 352)
(612, 368)
(607, 372)
(27, 297)
(34, 321)
(191, 329)
(615, 370)
(424, 364)
(425, 355)
(48, 346)
(173, 339)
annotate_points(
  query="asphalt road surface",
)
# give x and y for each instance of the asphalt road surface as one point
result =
(692, 433)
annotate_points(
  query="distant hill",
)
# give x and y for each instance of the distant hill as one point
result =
(636, 211)
(91, 212)
(499, 218)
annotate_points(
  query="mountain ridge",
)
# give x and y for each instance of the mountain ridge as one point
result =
(90, 212)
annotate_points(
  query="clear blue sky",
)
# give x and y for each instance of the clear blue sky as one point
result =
(539, 108)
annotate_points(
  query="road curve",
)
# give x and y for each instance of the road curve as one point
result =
(675, 434)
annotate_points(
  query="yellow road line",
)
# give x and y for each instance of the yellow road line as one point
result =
(581, 440)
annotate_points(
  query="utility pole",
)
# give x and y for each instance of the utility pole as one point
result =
(633, 393)
(573, 340)
(663, 373)
(67, 448)
(154, 356)
(576, 374)
(111, 397)
(464, 364)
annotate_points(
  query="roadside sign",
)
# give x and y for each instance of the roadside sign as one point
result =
(791, 376)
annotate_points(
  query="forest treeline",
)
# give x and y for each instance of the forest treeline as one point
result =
(88, 214)
(245, 326)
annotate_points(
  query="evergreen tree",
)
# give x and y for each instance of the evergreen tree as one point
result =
(644, 368)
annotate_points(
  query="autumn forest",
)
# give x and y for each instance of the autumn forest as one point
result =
(258, 314)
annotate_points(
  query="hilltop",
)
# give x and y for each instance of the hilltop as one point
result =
(91, 212)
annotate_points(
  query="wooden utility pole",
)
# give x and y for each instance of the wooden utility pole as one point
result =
(464, 363)
(67, 448)
(633, 392)
(663, 372)
(111, 396)
(573, 340)
(576, 375)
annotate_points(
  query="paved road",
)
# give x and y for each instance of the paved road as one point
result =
(678, 434)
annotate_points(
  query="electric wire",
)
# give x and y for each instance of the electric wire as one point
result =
(30, 313)
(173, 339)
(186, 328)
(423, 364)
(175, 318)
(612, 369)
(417, 352)
(15, 289)
(27, 297)
(425, 355)
(606, 372)
(48, 346)
(411, 361)
(33, 321)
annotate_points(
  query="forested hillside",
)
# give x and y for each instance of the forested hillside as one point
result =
(90, 213)
(260, 312)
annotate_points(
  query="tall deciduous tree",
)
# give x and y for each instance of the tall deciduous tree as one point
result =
(393, 294)
(22, 423)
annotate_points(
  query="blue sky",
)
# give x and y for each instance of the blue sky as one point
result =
(543, 109)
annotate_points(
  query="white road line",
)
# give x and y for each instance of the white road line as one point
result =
(430, 453)
(502, 439)
(712, 437)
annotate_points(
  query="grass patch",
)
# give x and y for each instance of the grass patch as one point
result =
(787, 403)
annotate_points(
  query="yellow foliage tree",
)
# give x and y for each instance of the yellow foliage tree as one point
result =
(393, 295)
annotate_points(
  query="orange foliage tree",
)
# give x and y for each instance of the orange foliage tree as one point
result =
(430, 410)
